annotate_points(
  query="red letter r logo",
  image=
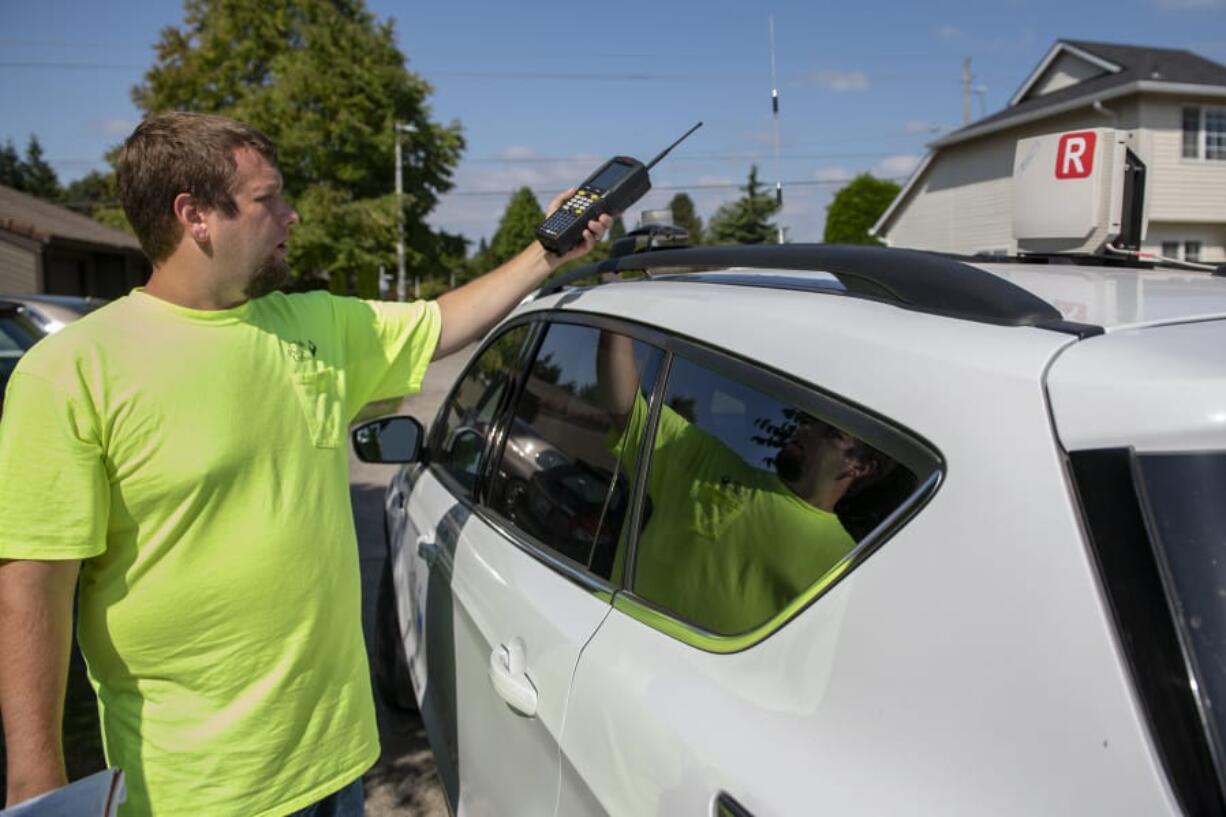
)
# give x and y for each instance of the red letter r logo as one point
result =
(1075, 156)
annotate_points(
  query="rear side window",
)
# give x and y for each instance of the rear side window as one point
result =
(561, 477)
(1186, 501)
(467, 419)
(754, 501)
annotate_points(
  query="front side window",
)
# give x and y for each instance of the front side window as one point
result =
(468, 418)
(1191, 250)
(752, 500)
(562, 477)
(1170, 249)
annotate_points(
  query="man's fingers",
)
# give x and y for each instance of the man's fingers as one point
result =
(558, 199)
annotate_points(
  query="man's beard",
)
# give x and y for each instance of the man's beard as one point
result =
(270, 277)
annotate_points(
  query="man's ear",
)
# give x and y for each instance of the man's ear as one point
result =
(191, 215)
(858, 467)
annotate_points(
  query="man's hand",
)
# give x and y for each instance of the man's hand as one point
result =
(35, 640)
(470, 311)
(596, 229)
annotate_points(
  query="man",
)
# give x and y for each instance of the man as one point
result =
(727, 546)
(183, 449)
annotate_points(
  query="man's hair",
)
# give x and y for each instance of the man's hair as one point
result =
(175, 153)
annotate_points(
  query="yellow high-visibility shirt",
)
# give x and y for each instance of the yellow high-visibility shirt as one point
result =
(196, 461)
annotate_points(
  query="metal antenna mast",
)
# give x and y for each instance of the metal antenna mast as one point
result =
(775, 116)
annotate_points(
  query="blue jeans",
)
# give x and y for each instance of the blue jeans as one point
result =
(348, 802)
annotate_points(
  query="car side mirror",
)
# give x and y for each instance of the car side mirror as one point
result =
(394, 439)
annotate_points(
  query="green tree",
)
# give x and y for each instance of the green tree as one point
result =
(516, 228)
(92, 192)
(685, 217)
(10, 166)
(38, 177)
(856, 208)
(325, 80)
(618, 230)
(745, 221)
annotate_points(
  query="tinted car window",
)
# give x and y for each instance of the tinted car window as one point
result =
(468, 417)
(1186, 495)
(746, 500)
(561, 477)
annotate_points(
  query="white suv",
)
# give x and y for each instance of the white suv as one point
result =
(799, 529)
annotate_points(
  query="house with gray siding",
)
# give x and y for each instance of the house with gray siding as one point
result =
(45, 248)
(1172, 102)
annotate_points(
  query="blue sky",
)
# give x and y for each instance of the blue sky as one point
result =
(544, 98)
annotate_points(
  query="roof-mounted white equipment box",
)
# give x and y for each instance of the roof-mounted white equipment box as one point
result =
(1076, 191)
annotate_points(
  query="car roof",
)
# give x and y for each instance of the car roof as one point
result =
(1083, 296)
(1117, 298)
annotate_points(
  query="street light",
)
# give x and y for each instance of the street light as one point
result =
(399, 128)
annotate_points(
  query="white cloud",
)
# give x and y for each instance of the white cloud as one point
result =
(705, 180)
(834, 174)
(516, 152)
(948, 32)
(897, 166)
(113, 127)
(841, 81)
(1183, 5)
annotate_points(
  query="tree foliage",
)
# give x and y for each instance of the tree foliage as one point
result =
(30, 175)
(856, 208)
(325, 81)
(686, 218)
(745, 221)
(516, 228)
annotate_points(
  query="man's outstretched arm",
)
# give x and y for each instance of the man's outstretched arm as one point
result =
(35, 640)
(471, 310)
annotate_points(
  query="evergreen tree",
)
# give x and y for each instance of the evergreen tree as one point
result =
(685, 217)
(92, 192)
(516, 228)
(744, 221)
(325, 81)
(618, 230)
(10, 166)
(38, 177)
(856, 208)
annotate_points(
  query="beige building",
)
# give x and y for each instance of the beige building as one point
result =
(45, 248)
(960, 198)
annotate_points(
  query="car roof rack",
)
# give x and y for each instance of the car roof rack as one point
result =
(912, 279)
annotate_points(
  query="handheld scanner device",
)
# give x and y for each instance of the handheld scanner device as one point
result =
(616, 184)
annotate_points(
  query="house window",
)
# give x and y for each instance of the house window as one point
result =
(1215, 133)
(1191, 251)
(1191, 134)
(1204, 133)
(1170, 249)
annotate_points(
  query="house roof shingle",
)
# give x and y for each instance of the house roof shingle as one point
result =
(41, 220)
(1137, 63)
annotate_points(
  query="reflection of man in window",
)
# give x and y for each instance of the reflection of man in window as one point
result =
(727, 546)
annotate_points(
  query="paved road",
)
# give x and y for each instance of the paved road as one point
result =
(404, 783)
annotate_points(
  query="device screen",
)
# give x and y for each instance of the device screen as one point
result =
(610, 176)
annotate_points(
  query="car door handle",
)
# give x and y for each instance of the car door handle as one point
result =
(509, 675)
(427, 549)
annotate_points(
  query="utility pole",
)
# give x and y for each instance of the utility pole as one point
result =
(399, 128)
(775, 116)
(966, 91)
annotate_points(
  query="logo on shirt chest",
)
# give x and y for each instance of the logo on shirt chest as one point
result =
(300, 351)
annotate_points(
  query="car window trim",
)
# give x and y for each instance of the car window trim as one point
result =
(434, 438)
(888, 436)
(906, 447)
(671, 624)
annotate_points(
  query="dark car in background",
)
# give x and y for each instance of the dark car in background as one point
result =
(17, 333)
